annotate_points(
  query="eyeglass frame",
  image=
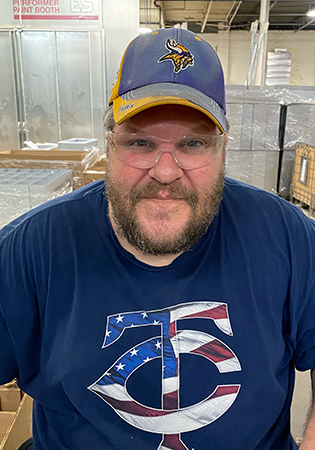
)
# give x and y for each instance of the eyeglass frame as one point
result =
(221, 139)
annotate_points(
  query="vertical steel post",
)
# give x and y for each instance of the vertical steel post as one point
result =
(57, 87)
(91, 85)
(281, 136)
(263, 37)
(20, 91)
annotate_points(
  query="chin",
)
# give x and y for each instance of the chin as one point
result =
(162, 228)
(164, 217)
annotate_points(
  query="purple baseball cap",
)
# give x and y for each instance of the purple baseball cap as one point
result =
(169, 66)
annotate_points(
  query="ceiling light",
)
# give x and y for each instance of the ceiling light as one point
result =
(311, 13)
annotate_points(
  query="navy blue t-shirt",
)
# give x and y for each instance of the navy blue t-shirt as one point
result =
(121, 355)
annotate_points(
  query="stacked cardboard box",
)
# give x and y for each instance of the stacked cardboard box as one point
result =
(95, 172)
(77, 161)
(303, 185)
(15, 417)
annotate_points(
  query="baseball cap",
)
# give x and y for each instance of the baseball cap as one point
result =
(169, 66)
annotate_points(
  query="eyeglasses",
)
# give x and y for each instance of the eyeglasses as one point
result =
(143, 152)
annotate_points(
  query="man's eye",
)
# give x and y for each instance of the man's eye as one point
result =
(194, 143)
(144, 143)
(141, 143)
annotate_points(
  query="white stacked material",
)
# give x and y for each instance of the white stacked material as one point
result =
(23, 189)
(78, 144)
(256, 167)
(278, 67)
(38, 146)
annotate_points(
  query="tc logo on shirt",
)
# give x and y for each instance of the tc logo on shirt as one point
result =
(170, 420)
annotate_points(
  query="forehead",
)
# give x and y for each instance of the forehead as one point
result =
(170, 116)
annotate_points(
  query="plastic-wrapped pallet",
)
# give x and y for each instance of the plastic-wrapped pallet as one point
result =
(256, 167)
(254, 118)
(253, 151)
(23, 189)
(300, 124)
(255, 127)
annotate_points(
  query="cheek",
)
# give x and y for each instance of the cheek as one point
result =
(123, 174)
(206, 177)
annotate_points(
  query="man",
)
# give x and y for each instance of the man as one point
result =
(173, 316)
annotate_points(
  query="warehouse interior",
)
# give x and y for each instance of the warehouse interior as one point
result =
(58, 63)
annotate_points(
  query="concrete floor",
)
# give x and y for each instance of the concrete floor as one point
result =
(301, 404)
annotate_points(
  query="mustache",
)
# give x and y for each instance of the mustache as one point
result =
(174, 190)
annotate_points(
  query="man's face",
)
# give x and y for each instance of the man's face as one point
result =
(164, 210)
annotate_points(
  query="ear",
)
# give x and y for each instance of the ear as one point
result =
(226, 139)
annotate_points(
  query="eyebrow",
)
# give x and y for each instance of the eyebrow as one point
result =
(131, 128)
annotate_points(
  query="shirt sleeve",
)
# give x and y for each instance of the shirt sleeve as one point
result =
(19, 319)
(8, 363)
(300, 329)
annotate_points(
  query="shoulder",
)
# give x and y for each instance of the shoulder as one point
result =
(243, 192)
(54, 213)
(258, 200)
(260, 208)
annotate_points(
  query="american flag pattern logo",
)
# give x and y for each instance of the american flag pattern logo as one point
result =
(170, 420)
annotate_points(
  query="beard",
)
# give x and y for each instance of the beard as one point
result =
(123, 213)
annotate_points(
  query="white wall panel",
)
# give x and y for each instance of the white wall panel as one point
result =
(9, 137)
(74, 84)
(121, 24)
(300, 44)
(39, 74)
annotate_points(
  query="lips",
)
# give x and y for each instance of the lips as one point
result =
(156, 191)
(165, 196)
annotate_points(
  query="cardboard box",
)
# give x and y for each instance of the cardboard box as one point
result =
(10, 398)
(77, 161)
(15, 417)
(303, 185)
(95, 172)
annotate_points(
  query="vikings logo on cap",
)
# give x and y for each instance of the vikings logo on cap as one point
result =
(178, 54)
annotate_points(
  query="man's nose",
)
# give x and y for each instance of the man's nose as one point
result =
(166, 168)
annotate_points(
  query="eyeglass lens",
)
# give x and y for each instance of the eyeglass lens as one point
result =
(143, 152)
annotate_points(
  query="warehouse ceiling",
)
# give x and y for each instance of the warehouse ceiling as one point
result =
(211, 16)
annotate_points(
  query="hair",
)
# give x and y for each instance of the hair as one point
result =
(108, 119)
(227, 125)
(109, 123)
